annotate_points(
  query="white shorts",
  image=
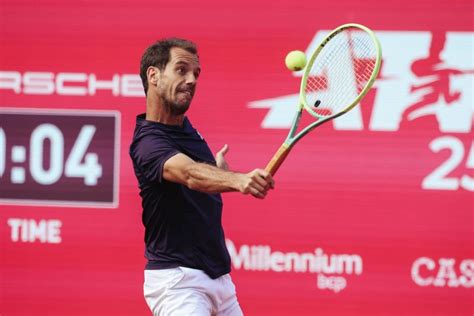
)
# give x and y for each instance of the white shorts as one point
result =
(186, 291)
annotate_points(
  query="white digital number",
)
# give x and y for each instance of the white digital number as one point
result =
(90, 169)
(79, 164)
(56, 139)
(438, 179)
(467, 182)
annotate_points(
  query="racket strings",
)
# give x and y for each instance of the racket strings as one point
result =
(340, 72)
(363, 67)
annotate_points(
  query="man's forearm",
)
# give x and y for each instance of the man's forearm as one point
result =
(207, 178)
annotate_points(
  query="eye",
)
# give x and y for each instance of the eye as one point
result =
(181, 70)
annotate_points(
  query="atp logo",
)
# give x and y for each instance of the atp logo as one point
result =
(423, 74)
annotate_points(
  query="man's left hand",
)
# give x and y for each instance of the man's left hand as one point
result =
(220, 159)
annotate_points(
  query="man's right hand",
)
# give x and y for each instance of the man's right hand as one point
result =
(257, 183)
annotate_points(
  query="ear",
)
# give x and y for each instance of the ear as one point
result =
(153, 74)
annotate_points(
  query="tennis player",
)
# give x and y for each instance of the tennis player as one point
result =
(180, 181)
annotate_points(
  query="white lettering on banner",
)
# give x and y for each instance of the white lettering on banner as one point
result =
(65, 83)
(430, 74)
(263, 258)
(95, 84)
(36, 83)
(30, 230)
(427, 272)
(62, 89)
(131, 86)
(334, 283)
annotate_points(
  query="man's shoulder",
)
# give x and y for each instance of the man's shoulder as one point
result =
(146, 140)
(147, 132)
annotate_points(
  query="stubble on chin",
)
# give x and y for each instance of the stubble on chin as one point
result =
(176, 108)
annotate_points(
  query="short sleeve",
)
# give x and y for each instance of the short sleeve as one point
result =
(150, 153)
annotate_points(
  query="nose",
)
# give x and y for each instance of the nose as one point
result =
(191, 79)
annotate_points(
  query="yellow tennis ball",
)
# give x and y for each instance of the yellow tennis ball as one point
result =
(295, 60)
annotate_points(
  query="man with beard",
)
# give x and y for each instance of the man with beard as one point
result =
(180, 181)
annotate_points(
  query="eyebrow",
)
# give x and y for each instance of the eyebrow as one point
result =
(181, 62)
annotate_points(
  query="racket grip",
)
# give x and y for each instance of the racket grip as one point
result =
(278, 159)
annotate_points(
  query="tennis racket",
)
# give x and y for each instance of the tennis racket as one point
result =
(346, 64)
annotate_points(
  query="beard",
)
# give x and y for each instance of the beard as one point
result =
(176, 107)
(179, 104)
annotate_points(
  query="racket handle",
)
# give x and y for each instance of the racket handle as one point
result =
(278, 159)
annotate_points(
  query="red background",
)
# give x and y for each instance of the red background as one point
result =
(347, 192)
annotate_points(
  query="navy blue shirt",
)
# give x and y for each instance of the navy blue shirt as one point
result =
(183, 227)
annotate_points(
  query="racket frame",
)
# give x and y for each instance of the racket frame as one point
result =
(294, 137)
